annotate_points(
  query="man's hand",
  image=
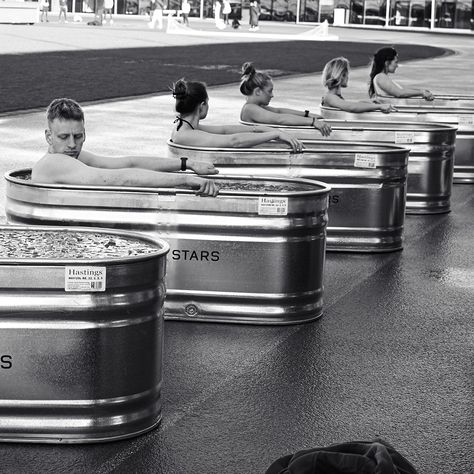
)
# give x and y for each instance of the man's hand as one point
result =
(202, 167)
(206, 187)
(295, 144)
(323, 127)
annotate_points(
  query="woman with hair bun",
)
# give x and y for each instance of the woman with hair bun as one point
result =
(335, 77)
(385, 62)
(257, 86)
(192, 105)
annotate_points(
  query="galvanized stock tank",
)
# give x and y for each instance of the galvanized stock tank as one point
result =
(81, 334)
(443, 100)
(461, 118)
(253, 254)
(368, 185)
(431, 160)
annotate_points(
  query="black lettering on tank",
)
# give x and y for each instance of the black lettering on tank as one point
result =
(175, 255)
(6, 361)
(195, 255)
(334, 198)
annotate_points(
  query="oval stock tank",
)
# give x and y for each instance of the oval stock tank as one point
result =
(431, 160)
(368, 185)
(461, 118)
(440, 100)
(81, 334)
(253, 254)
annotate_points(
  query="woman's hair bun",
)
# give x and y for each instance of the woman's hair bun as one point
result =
(179, 89)
(248, 69)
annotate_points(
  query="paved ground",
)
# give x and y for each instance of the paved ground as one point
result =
(392, 356)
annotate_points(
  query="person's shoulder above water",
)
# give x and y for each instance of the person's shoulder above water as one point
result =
(55, 168)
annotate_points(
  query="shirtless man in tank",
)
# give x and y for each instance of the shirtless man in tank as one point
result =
(66, 163)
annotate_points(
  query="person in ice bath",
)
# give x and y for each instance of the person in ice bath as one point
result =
(257, 86)
(66, 162)
(192, 106)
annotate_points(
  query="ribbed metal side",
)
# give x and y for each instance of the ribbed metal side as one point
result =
(431, 160)
(368, 185)
(254, 254)
(83, 366)
(461, 118)
(441, 100)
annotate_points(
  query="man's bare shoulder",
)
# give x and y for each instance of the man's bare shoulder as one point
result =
(53, 167)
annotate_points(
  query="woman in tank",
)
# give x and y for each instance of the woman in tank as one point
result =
(257, 86)
(336, 77)
(192, 105)
(385, 63)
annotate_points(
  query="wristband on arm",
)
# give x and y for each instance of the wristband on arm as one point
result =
(183, 164)
(306, 113)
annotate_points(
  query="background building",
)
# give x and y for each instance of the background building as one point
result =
(452, 15)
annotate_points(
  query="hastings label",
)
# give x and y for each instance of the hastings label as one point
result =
(364, 160)
(84, 278)
(272, 206)
(466, 120)
(404, 137)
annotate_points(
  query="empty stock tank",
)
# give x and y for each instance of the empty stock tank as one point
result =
(461, 118)
(253, 254)
(431, 160)
(368, 185)
(81, 327)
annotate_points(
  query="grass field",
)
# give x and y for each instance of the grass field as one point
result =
(30, 81)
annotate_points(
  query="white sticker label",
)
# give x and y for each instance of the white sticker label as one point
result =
(466, 120)
(404, 137)
(364, 160)
(272, 206)
(84, 279)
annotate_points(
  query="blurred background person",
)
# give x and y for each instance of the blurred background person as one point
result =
(44, 8)
(226, 10)
(62, 10)
(156, 12)
(254, 14)
(108, 8)
(185, 10)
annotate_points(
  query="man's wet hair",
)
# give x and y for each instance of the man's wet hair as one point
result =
(64, 109)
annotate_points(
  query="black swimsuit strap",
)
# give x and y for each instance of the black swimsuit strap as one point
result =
(181, 121)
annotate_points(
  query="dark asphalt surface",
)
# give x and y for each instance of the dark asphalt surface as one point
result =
(33, 80)
(390, 358)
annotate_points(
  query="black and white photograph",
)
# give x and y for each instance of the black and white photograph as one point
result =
(236, 237)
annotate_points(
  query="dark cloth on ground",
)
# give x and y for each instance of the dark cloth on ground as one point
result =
(355, 457)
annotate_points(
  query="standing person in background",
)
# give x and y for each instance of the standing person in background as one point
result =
(335, 77)
(108, 8)
(217, 15)
(385, 62)
(185, 10)
(226, 10)
(62, 10)
(254, 14)
(44, 8)
(156, 10)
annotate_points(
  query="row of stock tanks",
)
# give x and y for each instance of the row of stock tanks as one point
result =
(86, 266)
